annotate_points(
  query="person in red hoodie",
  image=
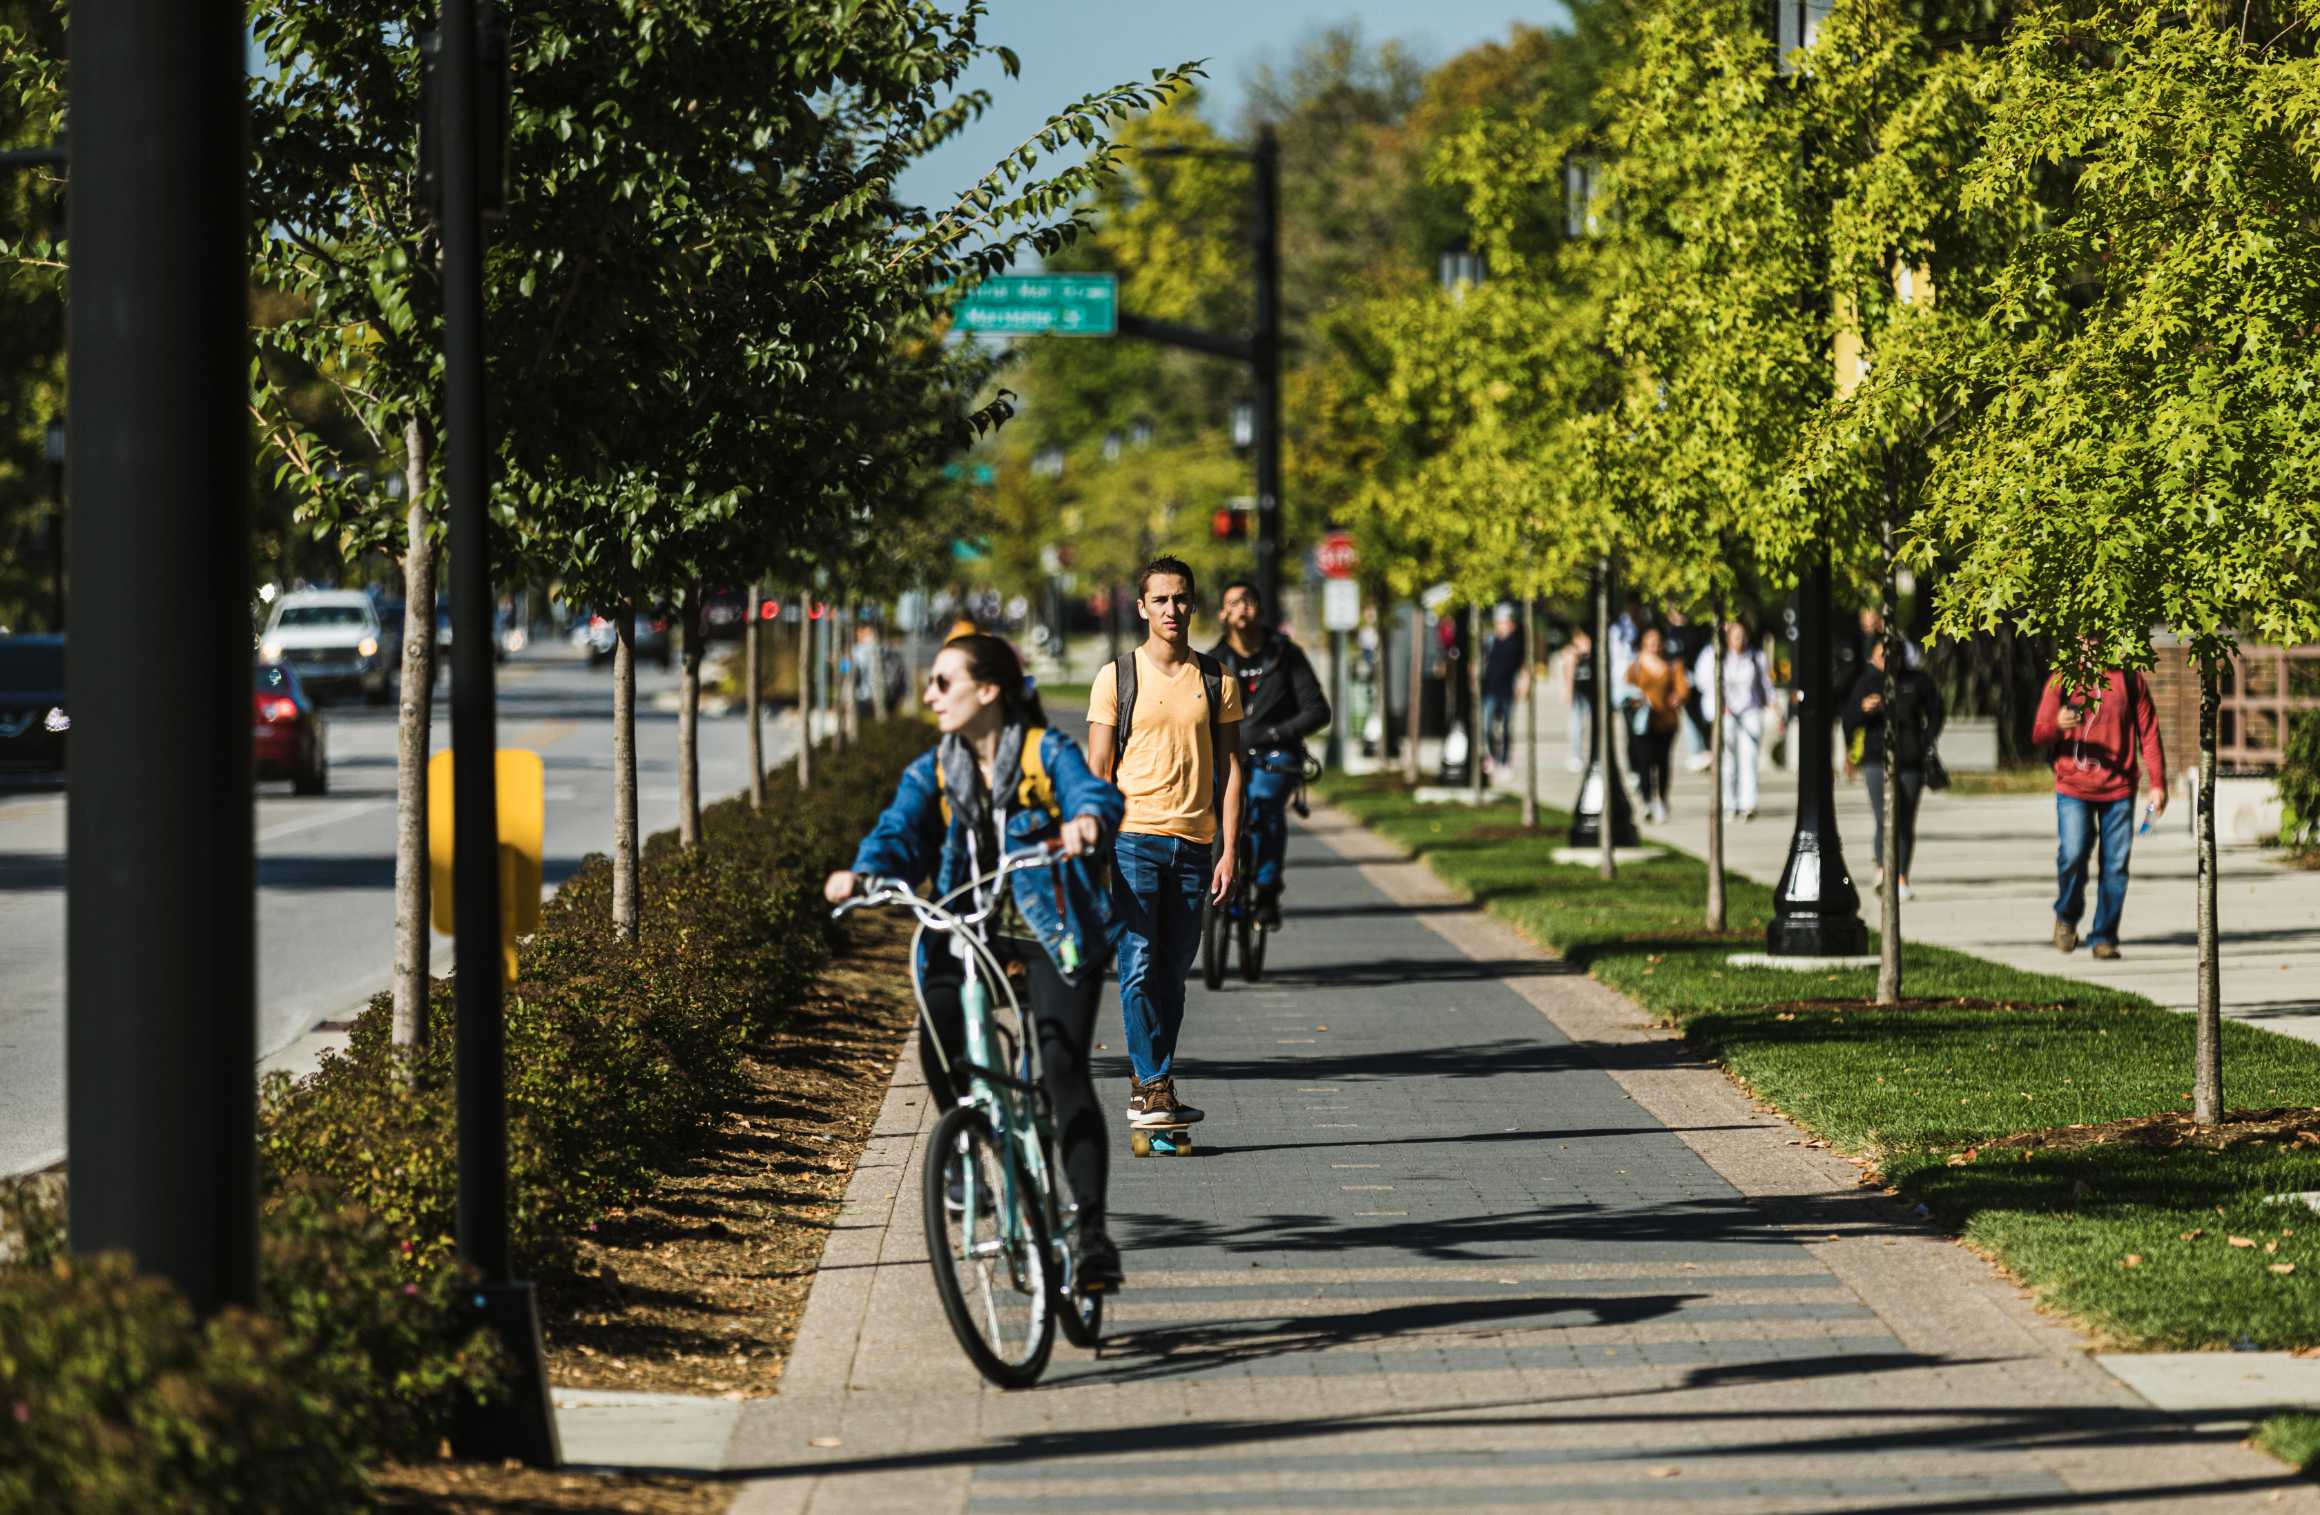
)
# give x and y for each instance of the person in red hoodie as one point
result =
(2101, 737)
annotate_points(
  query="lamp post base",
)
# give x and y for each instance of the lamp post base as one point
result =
(521, 1422)
(1814, 935)
(1587, 813)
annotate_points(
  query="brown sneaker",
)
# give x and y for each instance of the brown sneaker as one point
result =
(1139, 1097)
(2106, 950)
(1161, 1107)
(2065, 937)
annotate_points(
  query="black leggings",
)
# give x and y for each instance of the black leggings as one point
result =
(1648, 755)
(1066, 1017)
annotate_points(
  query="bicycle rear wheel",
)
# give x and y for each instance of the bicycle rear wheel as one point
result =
(1215, 945)
(1252, 948)
(989, 1254)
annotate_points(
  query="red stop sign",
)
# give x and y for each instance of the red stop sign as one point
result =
(1335, 556)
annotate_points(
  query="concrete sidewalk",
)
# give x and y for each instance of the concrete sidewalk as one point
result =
(1984, 883)
(1464, 1233)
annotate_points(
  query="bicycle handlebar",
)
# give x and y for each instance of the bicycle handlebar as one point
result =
(872, 890)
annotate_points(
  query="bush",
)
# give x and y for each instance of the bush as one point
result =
(619, 1055)
(2299, 781)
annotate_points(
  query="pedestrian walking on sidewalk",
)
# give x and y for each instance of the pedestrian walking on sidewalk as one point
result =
(1002, 781)
(1164, 725)
(1745, 704)
(1281, 705)
(1502, 674)
(2104, 739)
(1916, 724)
(1686, 640)
(1579, 694)
(1656, 687)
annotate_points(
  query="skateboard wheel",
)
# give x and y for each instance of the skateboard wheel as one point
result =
(1140, 1144)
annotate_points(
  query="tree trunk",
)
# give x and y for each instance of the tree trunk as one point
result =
(805, 753)
(626, 881)
(1716, 904)
(1477, 748)
(689, 719)
(1530, 805)
(753, 681)
(2207, 1072)
(1417, 701)
(881, 706)
(1606, 774)
(1889, 859)
(413, 945)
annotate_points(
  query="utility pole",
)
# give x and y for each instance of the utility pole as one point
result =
(160, 938)
(521, 1424)
(1261, 350)
(1816, 912)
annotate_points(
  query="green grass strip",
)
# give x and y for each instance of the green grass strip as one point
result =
(1910, 1088)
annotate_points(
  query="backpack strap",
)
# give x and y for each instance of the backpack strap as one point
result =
(1124, 703)
(1212, 680)
(1036, 789)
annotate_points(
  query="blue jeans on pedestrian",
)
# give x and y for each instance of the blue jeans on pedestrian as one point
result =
(1268, 812)
(2080, 822)
(1162, 886)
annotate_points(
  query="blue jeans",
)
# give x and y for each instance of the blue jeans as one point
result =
(2079, 821)
(1268, 821)
(1162, 886)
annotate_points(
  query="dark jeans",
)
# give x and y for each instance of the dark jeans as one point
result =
(1498, 726)
(1161, 888)
(2079, 823)
(1065, 1015)
(1648, 753)
(1267, 815)
(1912, 781)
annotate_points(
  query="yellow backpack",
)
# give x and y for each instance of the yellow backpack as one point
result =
(1036, 790)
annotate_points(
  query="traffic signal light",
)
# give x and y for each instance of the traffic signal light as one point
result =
(1229, 525)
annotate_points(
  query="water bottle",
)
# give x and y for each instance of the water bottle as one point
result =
(2150, 813)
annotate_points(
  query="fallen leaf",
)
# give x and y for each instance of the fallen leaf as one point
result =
(2270, 1247)
(1667, 1472)
(2193, 1234)
(2283, 1267)
(2240, 1241)
(2131, 1260)
(825, 1441)
(1960, 1159)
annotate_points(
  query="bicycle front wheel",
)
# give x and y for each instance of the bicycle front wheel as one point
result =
(1252, 948)
(1215, 945)
(987, 1242)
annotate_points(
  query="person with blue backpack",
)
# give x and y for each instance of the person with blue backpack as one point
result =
(1001, 782)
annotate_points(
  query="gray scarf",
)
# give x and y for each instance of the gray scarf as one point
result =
(963, 782)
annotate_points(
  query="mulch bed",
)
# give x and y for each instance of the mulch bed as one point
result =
(699, 1289)
(2173, 1130)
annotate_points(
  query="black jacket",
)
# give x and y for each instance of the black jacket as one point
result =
(1917, 715)
(1281, 700)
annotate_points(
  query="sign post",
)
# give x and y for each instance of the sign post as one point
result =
(1059, 305)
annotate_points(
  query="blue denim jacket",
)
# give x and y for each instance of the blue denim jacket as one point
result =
(911, 840)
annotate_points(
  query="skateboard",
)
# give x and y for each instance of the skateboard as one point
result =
(1161, 1141)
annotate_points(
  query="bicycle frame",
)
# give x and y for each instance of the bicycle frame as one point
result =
(1013, 1100)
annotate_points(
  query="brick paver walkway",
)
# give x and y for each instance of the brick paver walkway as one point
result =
(1463, 1235)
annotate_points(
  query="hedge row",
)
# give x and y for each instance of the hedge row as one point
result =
(112, 1397)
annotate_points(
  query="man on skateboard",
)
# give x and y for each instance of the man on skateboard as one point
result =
(1164, 727)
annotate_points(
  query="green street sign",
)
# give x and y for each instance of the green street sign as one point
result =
(1063, 305)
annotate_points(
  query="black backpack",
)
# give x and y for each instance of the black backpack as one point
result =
(1124, 692)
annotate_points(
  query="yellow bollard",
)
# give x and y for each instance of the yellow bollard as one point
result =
(523, 826)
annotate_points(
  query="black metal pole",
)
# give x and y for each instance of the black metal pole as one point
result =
(522, 1424)
(1815, 911)
(1268, 371)
(160, 1041)
(1600, 790)
(1333, 752)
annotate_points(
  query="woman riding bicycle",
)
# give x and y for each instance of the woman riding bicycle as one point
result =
(1056, 923)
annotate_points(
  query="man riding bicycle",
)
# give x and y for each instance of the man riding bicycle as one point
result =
(1281, 705)
(1001, 782)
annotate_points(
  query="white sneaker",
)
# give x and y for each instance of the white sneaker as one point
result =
(1904, 891)
(1698, 762)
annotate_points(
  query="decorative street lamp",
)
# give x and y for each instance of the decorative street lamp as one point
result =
(1600, 791)
(1244, 425)
(1462, 269)
(1112, 445)
(1816, 912)
(1047, 463)
(1140, 431)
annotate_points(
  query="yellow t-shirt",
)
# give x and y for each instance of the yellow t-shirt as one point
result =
(1168, 772)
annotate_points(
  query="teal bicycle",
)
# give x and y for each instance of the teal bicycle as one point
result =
(1001, 1228)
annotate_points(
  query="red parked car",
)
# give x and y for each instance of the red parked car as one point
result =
(286, 736)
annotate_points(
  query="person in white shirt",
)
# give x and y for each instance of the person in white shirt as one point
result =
(1743, 704)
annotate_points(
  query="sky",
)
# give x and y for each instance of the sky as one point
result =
(1070, 47)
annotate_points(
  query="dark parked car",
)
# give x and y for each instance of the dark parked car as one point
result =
(653, 643)
(33, 721)
(724, 612)
(286, 738)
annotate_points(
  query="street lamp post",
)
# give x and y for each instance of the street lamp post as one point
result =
(1601, 794)
(1816, 912)
(53, 452)
(1462, 269)
(520, 1422)
(160, 941)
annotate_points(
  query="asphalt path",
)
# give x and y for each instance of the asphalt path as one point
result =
(326, 868)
